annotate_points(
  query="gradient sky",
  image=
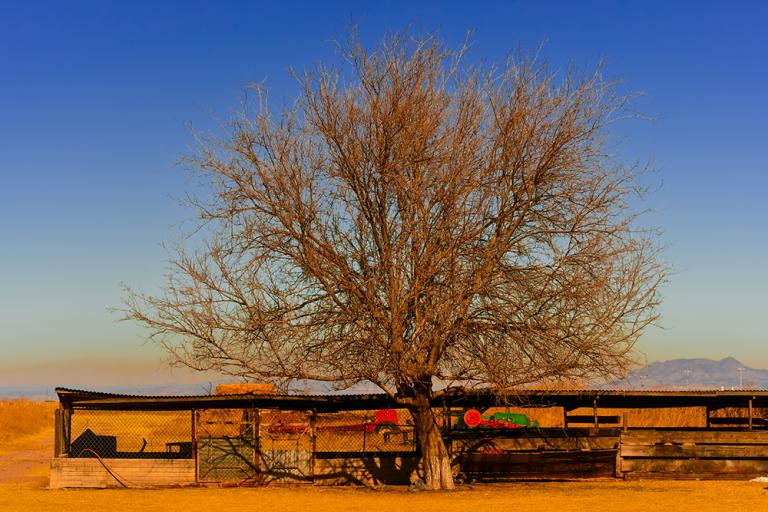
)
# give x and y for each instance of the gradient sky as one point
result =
(96, 99)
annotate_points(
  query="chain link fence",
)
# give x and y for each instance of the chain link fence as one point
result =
(238, 442)
(384, 430)
(131, 434)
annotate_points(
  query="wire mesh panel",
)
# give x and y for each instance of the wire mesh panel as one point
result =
(285, 442)
(131, 434)
(384, 430)
(226, 445)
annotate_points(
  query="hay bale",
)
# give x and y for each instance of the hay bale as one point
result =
(244, 389)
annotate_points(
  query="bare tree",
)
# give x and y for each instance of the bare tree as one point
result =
(412, 221)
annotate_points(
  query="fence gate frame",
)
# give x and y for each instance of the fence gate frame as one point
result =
(292, 464)
(239, 446)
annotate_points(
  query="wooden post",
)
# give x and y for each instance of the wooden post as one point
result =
(594, 411)
(565, 418)
(750, 413)
(58, 441)
(66, 427)
(446, 417)
(195, 449)
(624, 422)
(257, 438)
(313, 433)
(707, 417)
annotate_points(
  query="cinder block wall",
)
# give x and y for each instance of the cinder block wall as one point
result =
(87, 472)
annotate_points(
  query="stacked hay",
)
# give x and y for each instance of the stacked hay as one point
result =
(244, 389)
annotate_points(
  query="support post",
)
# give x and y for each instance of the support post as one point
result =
(66, 427)
(707, 412)
(594, 411)
(257, 439)
(313, 433)
(750, 413)
(58, 440)
(446, 417)
(624, 421)
(195, 449)
(565, 418)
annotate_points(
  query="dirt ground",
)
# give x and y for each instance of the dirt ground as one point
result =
(26, 461)
(553, 496)
(24, 473)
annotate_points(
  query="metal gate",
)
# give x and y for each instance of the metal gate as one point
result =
(285, 445)
(226, 445)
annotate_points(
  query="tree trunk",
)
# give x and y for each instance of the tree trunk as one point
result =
(434, 455)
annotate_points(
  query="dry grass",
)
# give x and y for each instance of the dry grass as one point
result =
(132, 429)
(616, 496)
(20, 419)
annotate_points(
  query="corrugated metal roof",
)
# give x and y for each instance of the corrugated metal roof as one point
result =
(450, 392)
(455, 397)
(104, 394)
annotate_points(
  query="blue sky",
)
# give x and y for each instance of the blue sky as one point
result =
(96, 100)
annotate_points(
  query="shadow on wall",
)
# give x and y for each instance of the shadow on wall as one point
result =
(370, 470)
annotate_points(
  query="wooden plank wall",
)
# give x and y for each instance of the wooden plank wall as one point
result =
(82, 472)
(539, 465)
(539, 454)
(693, 454)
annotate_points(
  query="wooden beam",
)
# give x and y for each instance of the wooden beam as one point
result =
(58, 437)
(742, 422)
(653, 437)
(257, 439)
(665, 468)
(594, 412)
(313, 440)
(695, 451)
(195, 449)
(750, 413)
(66, 426)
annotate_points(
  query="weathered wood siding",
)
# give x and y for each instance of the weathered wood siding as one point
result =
(536, 453)
(537, 440)
(693, 454)
(540, 465)
(82, 472)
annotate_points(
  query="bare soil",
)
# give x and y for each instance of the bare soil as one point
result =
(27, 460)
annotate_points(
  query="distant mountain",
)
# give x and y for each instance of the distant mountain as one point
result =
(49, 393)
(695, 373)
(673, 374)
(202, 388)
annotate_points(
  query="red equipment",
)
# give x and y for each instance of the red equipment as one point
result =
(472, 418)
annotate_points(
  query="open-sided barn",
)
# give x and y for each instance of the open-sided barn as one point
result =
(110, 440)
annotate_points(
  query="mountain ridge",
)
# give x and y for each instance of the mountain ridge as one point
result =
(727, 373)
(680, 373)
